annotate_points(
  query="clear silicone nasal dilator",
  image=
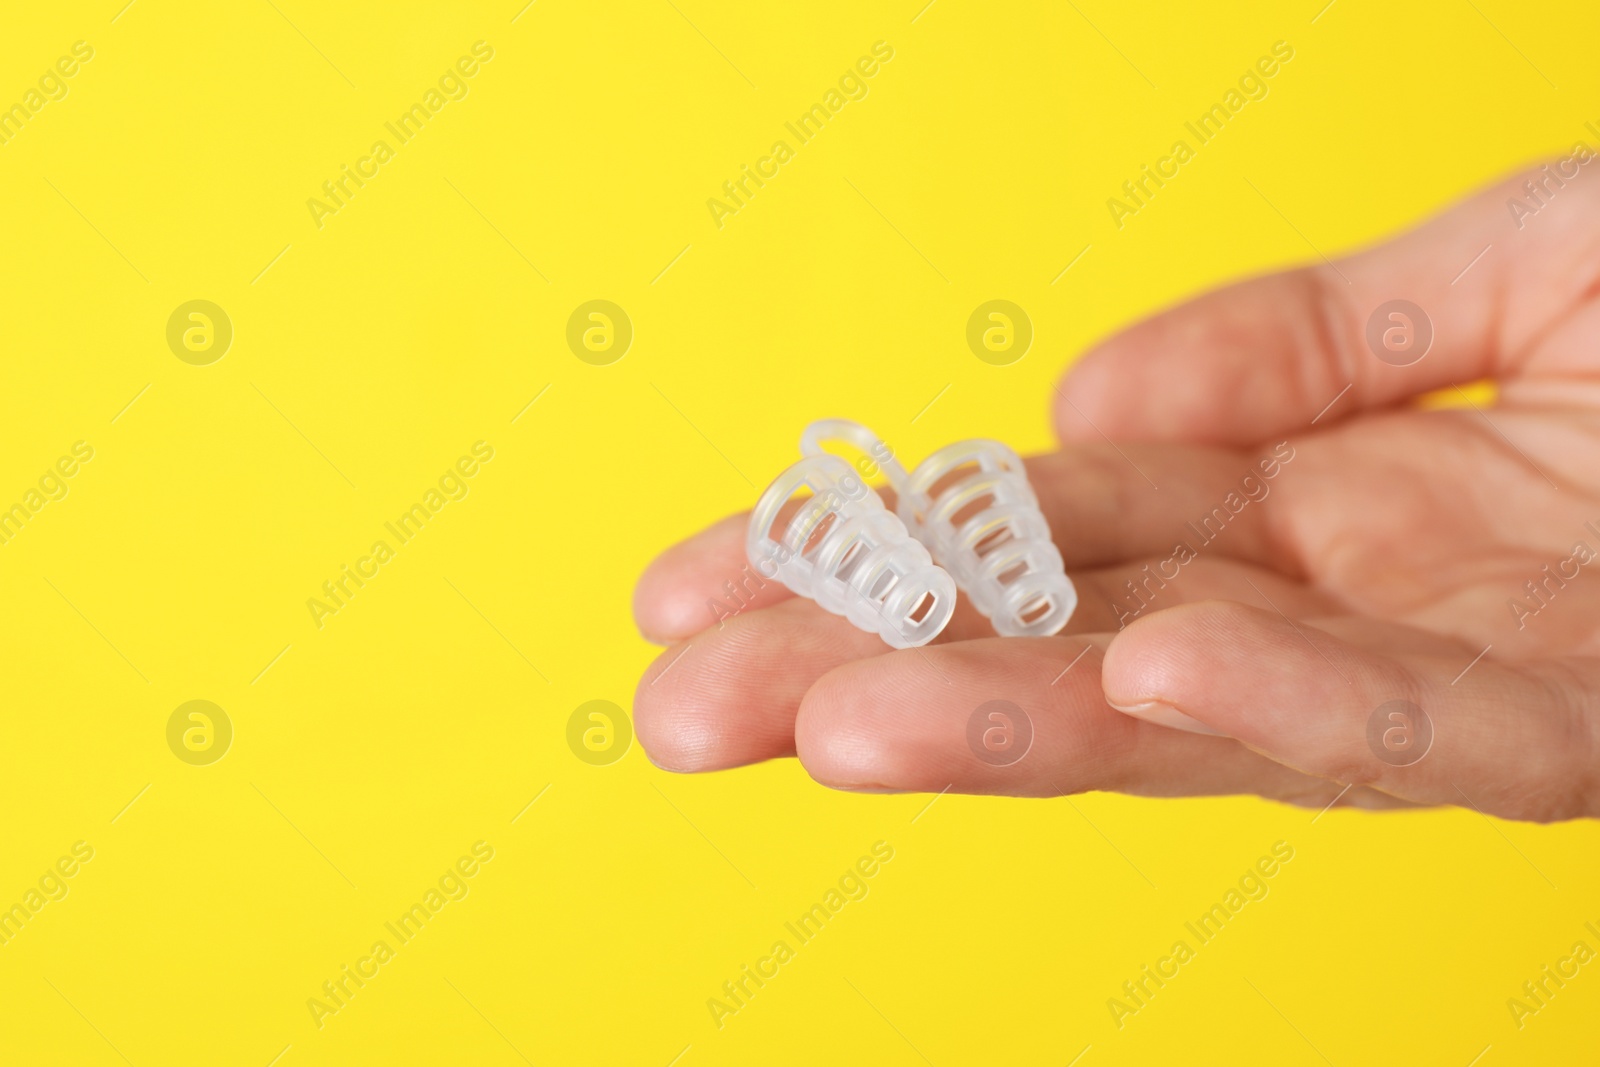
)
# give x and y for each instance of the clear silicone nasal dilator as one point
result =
(971, 504)
(839, 545)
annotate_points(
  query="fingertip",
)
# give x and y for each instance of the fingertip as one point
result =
(667, 606)
(898, 722)
(839, 735)
(694, 711)
(1082, 393)
(665, 720)
(698, 583)
(728, 696)
(661, 620)
(1016, 716)
(1186, 658)
(1130, 386)
(1251, 673)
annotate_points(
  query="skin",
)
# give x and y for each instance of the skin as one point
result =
(1378, 567)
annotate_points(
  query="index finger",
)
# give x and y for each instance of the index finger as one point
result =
(1484, 283)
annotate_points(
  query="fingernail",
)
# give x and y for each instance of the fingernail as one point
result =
(1166, 715)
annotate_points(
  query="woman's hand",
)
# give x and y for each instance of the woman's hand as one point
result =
(1330, 589)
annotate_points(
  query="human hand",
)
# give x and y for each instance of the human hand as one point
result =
(1359, 551)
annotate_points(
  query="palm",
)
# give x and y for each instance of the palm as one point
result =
(1437, 519)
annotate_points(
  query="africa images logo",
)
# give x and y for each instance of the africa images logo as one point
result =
(852, 85)
(452, 85)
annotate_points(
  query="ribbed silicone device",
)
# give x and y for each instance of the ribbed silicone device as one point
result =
(842, 548)
(970, 503)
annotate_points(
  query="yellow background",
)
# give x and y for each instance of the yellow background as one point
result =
(375, 350)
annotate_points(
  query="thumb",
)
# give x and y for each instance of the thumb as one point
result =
(1367, 704)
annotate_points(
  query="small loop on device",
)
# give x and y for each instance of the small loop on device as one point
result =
(859, 437)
